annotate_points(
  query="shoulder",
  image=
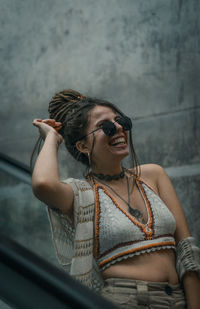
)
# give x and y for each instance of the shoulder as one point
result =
(151, 174)
(151, 170)
(77, 184)
(82, 191)
(157, 178)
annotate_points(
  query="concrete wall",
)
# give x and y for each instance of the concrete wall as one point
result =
(141, 55)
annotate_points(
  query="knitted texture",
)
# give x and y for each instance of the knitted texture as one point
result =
(74, 241)
(187, 257)
(120, 235)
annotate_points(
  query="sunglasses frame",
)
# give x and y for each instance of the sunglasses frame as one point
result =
(113, 123)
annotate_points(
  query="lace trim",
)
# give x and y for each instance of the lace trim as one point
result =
(126, 256)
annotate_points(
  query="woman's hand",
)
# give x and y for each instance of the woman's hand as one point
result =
(46, 183)
(47, 126)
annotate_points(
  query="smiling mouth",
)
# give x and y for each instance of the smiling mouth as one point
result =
(118, 141)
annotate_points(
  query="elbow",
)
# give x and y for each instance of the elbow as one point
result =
(39, 187)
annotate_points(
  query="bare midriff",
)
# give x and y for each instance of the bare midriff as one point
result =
(157, 266)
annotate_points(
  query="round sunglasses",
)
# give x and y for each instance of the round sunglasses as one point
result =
(109, 127)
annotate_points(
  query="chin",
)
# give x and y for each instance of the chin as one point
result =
(123, 150)
(120, 153)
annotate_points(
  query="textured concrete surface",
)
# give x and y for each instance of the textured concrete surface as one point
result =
(187, 189)
(141, 55)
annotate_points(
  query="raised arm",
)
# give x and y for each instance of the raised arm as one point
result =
(46, 184)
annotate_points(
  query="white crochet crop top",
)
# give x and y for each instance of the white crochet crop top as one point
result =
(119, 235)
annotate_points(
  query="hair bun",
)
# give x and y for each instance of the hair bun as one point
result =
(63, 104)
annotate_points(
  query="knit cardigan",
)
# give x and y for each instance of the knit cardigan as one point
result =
(74, 240)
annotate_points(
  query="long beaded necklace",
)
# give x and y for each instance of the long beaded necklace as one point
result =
(134, 212)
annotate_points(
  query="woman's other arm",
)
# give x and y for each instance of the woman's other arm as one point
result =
(46, 184)
(167, 193)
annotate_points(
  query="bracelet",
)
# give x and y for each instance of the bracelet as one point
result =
(187, 257)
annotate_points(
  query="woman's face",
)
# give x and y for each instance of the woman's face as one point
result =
(106, 148)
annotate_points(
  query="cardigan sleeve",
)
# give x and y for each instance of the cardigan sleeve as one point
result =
(63, 229)
(74, 241)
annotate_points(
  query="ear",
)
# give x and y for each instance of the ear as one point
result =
(82, 147)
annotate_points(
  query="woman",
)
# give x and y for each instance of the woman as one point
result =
(120, 230)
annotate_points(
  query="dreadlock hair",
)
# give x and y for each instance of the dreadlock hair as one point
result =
(72, 109)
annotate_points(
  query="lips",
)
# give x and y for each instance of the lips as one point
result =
(120, 140)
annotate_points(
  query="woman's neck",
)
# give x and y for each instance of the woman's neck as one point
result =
(108, 170)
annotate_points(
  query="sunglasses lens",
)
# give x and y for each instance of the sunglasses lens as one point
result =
(125, 122)
(109, 128)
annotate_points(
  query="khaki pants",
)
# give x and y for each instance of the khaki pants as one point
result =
(128, 293)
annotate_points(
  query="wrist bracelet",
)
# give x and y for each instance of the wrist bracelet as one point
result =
(187, 257)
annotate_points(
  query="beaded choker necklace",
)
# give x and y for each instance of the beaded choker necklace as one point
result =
(109, 177)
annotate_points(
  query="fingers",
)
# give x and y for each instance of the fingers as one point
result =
(47, 125)
(57, 128)
(54, 124)
(51, 122)
(36, 122)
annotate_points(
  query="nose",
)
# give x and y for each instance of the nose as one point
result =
(118, 126)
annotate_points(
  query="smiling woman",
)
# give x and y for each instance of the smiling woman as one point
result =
(110, 144)
(119, 231)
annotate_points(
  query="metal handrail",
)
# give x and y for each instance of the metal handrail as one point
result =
(15, 163)
(26, 277)
(15, 169)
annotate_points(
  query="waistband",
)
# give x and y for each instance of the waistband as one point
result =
(147, 285)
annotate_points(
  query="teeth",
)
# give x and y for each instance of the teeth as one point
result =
(118, 141)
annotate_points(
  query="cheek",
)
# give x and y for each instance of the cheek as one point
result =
(101, 142)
